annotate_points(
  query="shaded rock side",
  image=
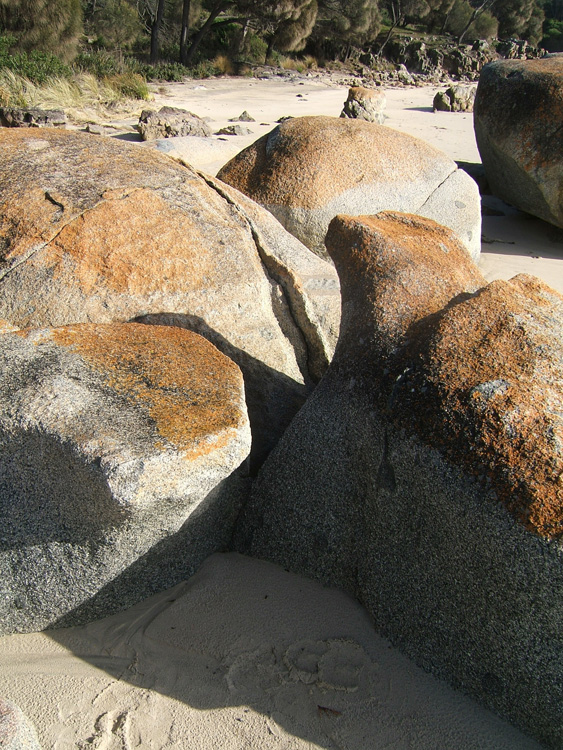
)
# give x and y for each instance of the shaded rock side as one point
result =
(92, 230)
(423, 473)
(309, 169)
(120, 448)
(171, 122)
(365, 104)
(12, 117)
(518, 115)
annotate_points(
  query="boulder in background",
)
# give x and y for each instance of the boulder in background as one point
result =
(518, 115)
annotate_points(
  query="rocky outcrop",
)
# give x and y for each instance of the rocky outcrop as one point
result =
(518, 116)
(234, 130)
(95, 230)
(16, 731)
(309, 169)
(170, 122)
(243, 117)
(12, 117)
(365, 104)
(461, 61)
(423, 474)
(455, 99)
(119, 451)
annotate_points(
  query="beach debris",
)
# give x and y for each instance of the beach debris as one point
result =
(170, 122)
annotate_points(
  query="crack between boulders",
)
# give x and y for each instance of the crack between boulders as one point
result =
(436, 189)
(271, 265)
(40, 246)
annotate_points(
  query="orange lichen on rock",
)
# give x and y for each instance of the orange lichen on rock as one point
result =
(301, 164)
(475, 370)
(493, 368)
(117, 242)
(396, 269)
(192, 392)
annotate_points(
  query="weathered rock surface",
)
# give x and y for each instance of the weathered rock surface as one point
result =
(455, 99)
(119, 451)
(95, 230)
(309, 169)
(243, 117)
(423, 473)
(170, 122)
(234, 130)
(16, 731)
(365, 104)
(12, 117)
(518, 116)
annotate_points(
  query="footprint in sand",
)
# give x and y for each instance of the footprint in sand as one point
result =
(335, 664)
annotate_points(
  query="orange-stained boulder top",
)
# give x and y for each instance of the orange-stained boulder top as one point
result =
(193, 394)
(476, 370)
(307, 161)
(395, 269)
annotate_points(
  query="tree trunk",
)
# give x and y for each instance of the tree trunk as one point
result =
(476, 12)
(242, 38)
(387, 38)
(270, 48)
(219, 7)
(155, 31)
(186, 7)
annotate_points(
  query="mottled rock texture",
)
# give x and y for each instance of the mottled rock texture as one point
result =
(95, 230)
(365, 104)
(309, 169)
(120, 448)
(171, 122)
(455, 99)
(518, 115)
(424, 473)
(12, 117)
(16, 731)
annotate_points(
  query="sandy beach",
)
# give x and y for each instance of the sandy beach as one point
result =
(244, 655)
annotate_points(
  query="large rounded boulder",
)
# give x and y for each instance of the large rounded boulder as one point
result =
(96, 230)
(309, 169)
(120, 448)
(518, 115)
(424, 472)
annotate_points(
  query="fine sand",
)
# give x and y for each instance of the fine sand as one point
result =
(245, 655)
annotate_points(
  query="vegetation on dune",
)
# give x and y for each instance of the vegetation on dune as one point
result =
(64, 46)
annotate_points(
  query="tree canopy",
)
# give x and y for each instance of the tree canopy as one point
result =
(187, 30)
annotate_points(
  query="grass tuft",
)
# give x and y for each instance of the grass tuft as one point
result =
(82, 91)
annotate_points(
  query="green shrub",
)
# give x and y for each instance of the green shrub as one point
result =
(99, 63)
(163, 72)
(255, 48)
(552, 35)
(35, 66)
(204, 69)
